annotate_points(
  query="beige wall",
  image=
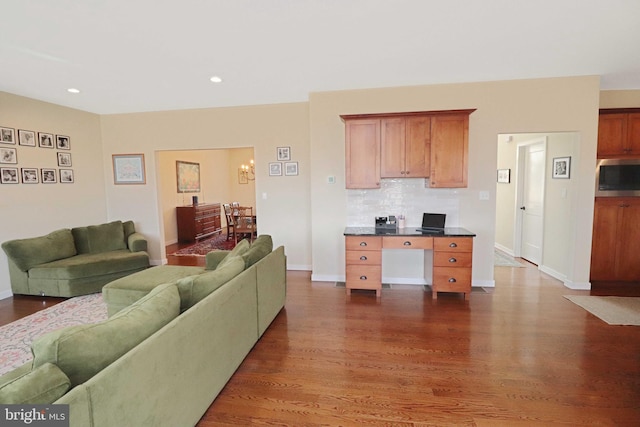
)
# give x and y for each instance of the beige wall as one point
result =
(29, 210)
(620, 99)
(522, 106)
(282, 203)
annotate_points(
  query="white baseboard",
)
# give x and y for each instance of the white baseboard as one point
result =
(553, 273)
(299, 267)
(483, 284)
(6, 294)
(326, 278)
(579, 286)
(504, 249)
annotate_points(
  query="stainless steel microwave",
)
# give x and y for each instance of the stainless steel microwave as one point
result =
(618, 178)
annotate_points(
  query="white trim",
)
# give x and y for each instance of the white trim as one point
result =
(504, 249)
(553, 273)
(299, 267)
(405, 281)
(483, 283)
(326, 278)
(6, 294)
(581, 286)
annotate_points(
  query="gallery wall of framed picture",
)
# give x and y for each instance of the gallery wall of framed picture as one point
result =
(52, 168)
(284, 165)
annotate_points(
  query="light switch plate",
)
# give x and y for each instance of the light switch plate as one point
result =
(484, 195)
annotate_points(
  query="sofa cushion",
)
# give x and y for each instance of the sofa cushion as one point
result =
(106, 237)
(241, 248)
(90, 265)
(83, 351)
(195, 288)
(26, 253)
(129, 228)
(260, 248)
(42, 385)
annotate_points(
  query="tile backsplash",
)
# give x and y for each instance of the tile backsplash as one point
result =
(403, 196)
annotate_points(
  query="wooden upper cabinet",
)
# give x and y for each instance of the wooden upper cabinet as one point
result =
(406, 147)
(449, 150)
(392, 146)
(619, 134)
(362, 143)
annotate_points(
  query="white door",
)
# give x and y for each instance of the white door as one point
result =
(532, 202)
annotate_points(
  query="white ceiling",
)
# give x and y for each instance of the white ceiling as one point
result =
(150, 55)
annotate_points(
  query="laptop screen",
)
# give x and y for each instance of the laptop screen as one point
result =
(433, 220)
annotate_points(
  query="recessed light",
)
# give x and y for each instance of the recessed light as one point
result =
(73, 90)
(216, 79)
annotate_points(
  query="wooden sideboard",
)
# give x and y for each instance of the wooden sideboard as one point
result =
(452, 257)
(198, 221)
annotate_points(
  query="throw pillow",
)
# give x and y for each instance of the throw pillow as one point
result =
(241, 248)
(193, 289)
(260, 248)
(106, 237)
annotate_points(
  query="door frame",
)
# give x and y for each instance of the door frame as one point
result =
(517, 234)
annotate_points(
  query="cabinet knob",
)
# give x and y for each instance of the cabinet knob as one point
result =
(363, 277)
(363, 243)
(452, 259)
(402, 173)
(363, 258)
(407, 243)
(453, 245)
(452, 280)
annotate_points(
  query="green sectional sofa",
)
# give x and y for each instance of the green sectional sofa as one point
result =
(162, 360)
(77, 261)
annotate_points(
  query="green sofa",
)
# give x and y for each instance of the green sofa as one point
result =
(162, 360)
(77, 261)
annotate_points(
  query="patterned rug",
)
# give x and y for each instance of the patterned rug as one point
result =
(16, 337)
(218, 242)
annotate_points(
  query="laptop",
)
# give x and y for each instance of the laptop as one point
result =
(433, 222)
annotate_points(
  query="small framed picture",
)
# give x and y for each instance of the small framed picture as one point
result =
(49, 176)
(283, 154)
(7, 135)
(275, 169)
(63, 142)
(291, 168)
(64, 159)
(561, 167)
(128, 169)
(8, 155)
(9, 175)
(66, 176)
(45, 140)
(504, 176)
(30, 176)
(27, 137)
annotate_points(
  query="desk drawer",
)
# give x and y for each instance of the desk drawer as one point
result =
(407, 242)
(452, 279)
(364, 257)
(453, 244)
(363, 243)
(452, 259)
(364, 277)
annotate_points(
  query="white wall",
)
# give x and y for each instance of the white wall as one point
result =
(29, 210)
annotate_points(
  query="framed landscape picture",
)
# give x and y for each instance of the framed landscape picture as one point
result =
(188, 177)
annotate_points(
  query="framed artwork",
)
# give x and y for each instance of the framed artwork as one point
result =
(30, 176)
(243, 176)
(27, 137)
(7, 135)
(49, 176)
(275, 169)
(188, 177)
(63, 142)
(8, 155)
(128, 169)
(283, 154)
(561, 167)
(291, 168)
(504, 176)
(66, 176)
(45, 140)
(64, 159)
(9, 175)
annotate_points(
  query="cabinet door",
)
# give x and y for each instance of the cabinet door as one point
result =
(418, 147)
(612, 133)
(603, 248)
(392, 144)
(449, 150)
(362, 142)
(633, 134)
(628, 250)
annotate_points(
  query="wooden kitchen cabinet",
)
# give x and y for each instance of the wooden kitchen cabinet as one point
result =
(363, 263)
(619, 134)
(362, 156)
(452, 263)
(405, 147)
(449, 151)
(198, 221)
(615, 253)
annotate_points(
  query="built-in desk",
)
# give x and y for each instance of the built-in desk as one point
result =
(452, 256)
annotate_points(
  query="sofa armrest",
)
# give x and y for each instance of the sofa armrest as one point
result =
(137, 242)
(213, 259)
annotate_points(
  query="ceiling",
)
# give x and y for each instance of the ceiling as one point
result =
(150, 55)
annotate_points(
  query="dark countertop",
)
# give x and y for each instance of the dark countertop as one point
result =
(407, 231)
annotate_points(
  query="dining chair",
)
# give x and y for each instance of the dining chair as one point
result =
(245, 226)
(230, 221)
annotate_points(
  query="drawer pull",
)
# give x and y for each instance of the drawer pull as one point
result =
(452, 259)
(407, 243)
(363, 243)
(363, 258)
(363, 277)
(452, 280)
(453, 245)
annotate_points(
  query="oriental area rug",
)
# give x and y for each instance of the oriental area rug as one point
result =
(613, 310)
(16, 337)
(203, 247)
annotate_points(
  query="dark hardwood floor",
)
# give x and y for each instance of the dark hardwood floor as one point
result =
(517, 355)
